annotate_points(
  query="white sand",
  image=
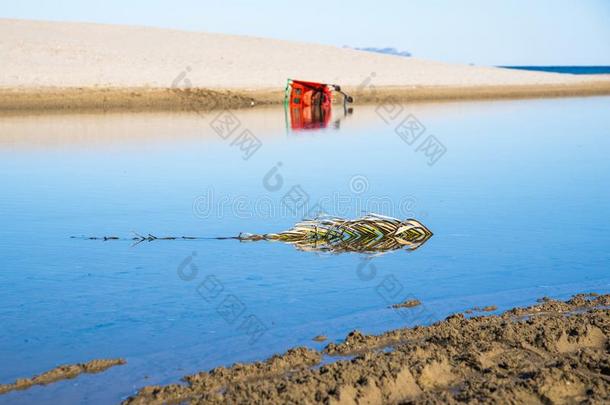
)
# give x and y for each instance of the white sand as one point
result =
(37, 54)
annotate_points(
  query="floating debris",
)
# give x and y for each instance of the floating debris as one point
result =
(142, 238)
(372, 233)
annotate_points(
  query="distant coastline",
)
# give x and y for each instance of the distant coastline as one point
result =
(385, 50)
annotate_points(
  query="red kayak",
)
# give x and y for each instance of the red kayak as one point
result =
(310, 103)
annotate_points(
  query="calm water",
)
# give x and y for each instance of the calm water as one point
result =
(519, 205)
(573, 70)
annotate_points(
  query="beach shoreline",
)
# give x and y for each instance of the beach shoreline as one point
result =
(117, 99)
(553, 352)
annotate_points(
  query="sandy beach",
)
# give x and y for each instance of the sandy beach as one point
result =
(80, 66)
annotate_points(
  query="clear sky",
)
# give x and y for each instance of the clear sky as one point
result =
(509, 32)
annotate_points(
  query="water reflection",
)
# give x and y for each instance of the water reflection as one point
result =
(315, 117)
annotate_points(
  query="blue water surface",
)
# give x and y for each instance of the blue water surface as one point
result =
(518, 201)
(573, 70)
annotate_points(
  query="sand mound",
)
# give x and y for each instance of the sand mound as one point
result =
(42, 54)
(95, 67)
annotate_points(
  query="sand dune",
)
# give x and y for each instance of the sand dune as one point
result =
(44, 55)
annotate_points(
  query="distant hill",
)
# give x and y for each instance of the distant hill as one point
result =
(387, 51)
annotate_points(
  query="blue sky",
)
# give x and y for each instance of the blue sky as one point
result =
(510, 32)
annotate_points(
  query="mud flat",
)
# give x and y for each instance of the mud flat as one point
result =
(64, 372)
(554, 352)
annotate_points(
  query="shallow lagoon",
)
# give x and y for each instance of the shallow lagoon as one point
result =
(519, 205)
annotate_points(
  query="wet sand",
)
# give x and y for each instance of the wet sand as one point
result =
(77, 100)
(64, 372)
(551, 353)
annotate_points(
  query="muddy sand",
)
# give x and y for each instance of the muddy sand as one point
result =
(81, 100)
(552, 353)
(64, 372)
